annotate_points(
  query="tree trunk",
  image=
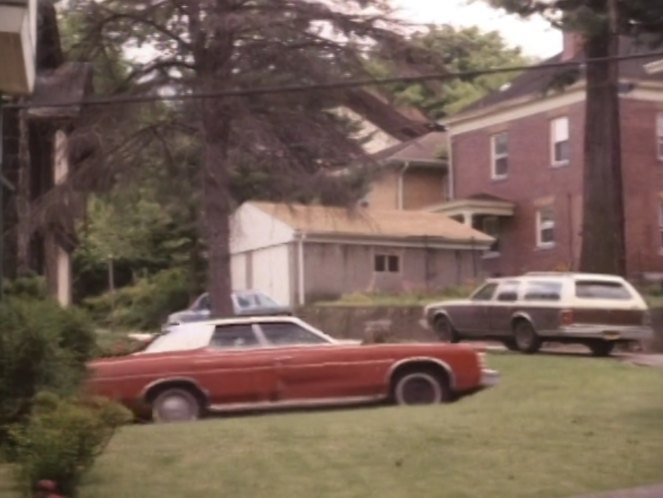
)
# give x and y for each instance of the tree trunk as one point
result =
(217, 206)
(110, 264)
(23, 230)
(603, 238)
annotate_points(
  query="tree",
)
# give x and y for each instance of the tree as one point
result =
(459, 50)
(220, 45)
(600, 22)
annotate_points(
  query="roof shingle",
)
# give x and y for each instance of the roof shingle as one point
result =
(325, 220)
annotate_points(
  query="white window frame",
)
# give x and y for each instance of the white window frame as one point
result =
(386, 270)
(659, 136)
(544, 225)
(559, 133)
(495, 156)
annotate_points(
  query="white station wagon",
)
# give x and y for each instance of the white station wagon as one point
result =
(523, 312)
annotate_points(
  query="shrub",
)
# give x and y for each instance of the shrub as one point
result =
(62, 438)
(144, 305)
(42, 346)
(111, 344)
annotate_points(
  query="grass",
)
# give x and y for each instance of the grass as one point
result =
(557, 426)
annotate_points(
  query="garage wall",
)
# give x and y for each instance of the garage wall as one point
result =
(269, 271)
(334, 269)
(240, 275)
(251, 228)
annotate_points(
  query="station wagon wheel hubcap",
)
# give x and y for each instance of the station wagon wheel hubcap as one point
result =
(525, 337)
(418, 388)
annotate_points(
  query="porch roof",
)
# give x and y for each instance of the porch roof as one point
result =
(478, 204)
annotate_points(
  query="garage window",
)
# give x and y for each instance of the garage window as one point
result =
(387, 263)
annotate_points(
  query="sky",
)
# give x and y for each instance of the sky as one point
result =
(535, 37)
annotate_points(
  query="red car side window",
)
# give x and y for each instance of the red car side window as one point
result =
(234, 336)
(285, 333)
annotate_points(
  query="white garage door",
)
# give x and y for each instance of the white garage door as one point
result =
(238, 272)
(270, 272)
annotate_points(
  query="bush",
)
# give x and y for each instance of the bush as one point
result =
(144, 305)
(62, 438)
(42, 347)
(111, 344)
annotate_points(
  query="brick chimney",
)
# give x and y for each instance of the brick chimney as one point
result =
(573, 45)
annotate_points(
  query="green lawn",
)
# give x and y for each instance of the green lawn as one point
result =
(557, 426)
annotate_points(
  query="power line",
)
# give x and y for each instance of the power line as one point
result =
(336, 85)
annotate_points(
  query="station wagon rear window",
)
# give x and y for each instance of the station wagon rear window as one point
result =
(543, 291)
(596, 289)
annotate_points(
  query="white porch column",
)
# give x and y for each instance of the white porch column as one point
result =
(63, 258)
(468, 218)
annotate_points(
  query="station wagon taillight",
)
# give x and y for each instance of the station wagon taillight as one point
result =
(566, 317)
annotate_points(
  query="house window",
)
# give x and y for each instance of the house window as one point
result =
(490, 225)
(387, 263)
(559, 137)
(659, 135)
(545, 227)
(500, 161)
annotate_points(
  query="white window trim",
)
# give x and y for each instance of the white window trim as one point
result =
(540, 244)
(491, 254)
(553, 140)
(659, 136)
(494, 157)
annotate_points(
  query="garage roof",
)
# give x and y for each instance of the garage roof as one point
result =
(367, 222)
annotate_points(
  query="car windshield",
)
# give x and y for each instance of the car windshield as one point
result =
(254, 300)
(484, 293)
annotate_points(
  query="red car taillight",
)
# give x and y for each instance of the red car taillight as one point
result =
(566, 317)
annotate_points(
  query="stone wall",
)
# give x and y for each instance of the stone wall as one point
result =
(403, 323)
(354, 322)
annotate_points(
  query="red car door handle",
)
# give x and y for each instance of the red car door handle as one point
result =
(284, 358)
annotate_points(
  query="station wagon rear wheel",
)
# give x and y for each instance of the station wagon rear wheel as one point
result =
(444, 330)
(525, 337)
(601, 348)
(175, 405)
(420, 388)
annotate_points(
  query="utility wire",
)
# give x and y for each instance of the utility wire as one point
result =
(335, 85)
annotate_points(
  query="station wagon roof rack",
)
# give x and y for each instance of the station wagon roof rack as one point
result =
(570, 273)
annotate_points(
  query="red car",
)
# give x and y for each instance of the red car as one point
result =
(258, 362)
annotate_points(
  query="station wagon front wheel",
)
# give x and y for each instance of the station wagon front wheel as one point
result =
(175, 405)
(444, 330)
(601, 348)
(525, 337)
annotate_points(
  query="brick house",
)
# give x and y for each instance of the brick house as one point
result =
(516, 167)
